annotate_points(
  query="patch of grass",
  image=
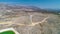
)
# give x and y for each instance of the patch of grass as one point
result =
(7, 32)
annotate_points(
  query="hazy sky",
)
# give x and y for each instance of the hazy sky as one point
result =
(54, 4)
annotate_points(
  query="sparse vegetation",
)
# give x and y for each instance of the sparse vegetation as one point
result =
(20, 18)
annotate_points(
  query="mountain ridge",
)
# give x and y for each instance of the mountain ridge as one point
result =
(27, 8)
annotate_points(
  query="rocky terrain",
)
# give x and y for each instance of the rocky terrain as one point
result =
(29, 19)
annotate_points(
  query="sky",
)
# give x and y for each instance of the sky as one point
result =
(53, 4)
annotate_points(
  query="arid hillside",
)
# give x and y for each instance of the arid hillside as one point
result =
(29, 19)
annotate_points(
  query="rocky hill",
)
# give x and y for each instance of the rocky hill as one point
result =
(29, 19)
